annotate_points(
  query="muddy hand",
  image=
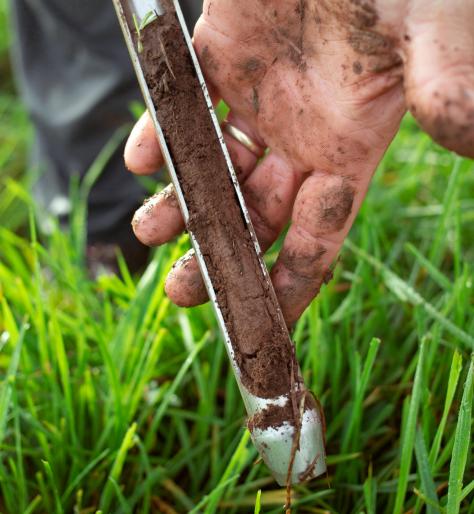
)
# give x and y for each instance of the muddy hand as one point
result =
(323, 85)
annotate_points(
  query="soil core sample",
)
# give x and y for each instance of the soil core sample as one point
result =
(261, 344)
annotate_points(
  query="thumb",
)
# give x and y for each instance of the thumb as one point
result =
(439, 72)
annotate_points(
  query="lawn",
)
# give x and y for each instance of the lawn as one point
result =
(113, 400)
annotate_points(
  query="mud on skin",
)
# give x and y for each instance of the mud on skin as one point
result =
(302, 264)
(360, 14)
(260, 340)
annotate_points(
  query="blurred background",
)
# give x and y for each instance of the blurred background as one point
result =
(113, 400)
(76, 82)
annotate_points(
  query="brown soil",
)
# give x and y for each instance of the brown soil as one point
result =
(259, 336)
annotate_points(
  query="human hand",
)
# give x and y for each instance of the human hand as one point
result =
(323, 85)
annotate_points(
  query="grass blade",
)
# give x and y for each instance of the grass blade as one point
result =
(433, 271)
(408, 435)
(174, 386)
(424, 469)
(238, 461)
(6, 388)
(258, 501)
(462, 443)
(370, 493)
(127, 443)
(35, 503)
(406, 293)
(429, 503)
(467, 490)
(54, 487)
(77, 480)
(124, 507)
(362, 383)
(456, 367)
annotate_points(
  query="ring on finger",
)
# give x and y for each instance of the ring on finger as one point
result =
(243, 139)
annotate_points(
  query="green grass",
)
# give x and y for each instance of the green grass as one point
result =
(14, 136)
(113, 400)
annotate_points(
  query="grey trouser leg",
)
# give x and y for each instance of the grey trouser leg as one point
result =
(77, 82)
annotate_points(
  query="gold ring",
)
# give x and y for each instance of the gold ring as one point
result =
(243, 139)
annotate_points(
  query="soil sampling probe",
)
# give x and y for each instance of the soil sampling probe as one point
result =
(285, 421)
